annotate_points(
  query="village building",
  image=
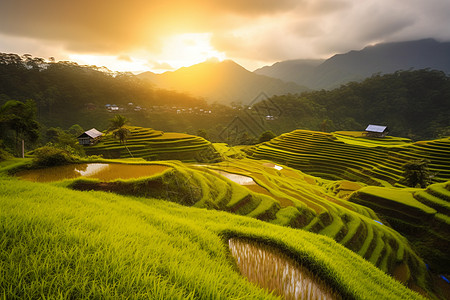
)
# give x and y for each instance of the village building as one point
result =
(376, 131)
(89, 137)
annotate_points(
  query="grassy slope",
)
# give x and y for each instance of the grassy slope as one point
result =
(61, 243)
(342, 156)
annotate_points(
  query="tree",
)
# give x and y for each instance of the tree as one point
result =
(75, 130)
(117, 122)
(58, 138)
(246, 139)
(122, 134)
(202, 133)
(416, 173)
(20, 118)
(266, 136)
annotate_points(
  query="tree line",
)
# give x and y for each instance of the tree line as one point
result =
(63, 91)
(414, 104)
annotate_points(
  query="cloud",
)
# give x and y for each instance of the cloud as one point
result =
(259, 30)
(157, 66)
(124, 57)
(110, 26)
(323, 28)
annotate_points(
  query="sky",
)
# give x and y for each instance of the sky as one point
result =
(149, 35)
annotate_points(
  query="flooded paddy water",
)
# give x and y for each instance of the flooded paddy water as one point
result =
(275, 271)
(105, 172)
(239, 179)
(250, 183)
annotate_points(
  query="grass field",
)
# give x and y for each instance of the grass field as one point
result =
(345, 155)
(58, 243)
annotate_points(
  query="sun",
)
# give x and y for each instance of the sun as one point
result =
(187, 49)
(180, 50)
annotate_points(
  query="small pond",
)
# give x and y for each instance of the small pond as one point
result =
(274, 271)
(105, 172)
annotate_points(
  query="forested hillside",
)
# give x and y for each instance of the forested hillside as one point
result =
(65, 91)
(224, 82)
(414, 104)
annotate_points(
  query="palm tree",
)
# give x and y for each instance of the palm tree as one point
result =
(117, 122)
(122, 134)
(119, 131)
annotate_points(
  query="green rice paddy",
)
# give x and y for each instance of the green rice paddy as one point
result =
(421, 215)
(58, 243)
(281, 196)
(342, 155)
(151, 144)
(161, 229)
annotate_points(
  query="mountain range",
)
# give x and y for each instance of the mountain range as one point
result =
(227, 82)
(223, 82)
(356, 65)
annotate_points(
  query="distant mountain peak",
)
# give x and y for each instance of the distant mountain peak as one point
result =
(356, 65)
(222, 81)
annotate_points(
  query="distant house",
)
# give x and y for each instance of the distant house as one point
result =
(89, 137)
(376, 131)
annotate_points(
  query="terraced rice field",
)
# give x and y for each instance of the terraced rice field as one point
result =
(375, 161)
(63, 244)
(151, 144)
(421, 215)
(286, 197)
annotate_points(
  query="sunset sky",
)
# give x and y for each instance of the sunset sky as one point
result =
(140, 35)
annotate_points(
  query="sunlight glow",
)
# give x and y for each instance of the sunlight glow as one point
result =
(183, 50)
(114, 63)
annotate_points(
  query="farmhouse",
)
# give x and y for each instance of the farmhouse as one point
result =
(376, 131)
(89, 137)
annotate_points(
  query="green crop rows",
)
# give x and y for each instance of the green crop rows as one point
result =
(58, 243)
(423, 216)
(285, 197)
(369, 160)
(397, 230)
(155, 145)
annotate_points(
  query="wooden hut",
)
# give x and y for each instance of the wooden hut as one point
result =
(89, 137)
(376, 131)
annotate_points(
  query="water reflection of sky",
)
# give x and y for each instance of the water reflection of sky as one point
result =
(91, 169)
(100, 171)
(274, 166)
(239, 179)
(277, 272)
